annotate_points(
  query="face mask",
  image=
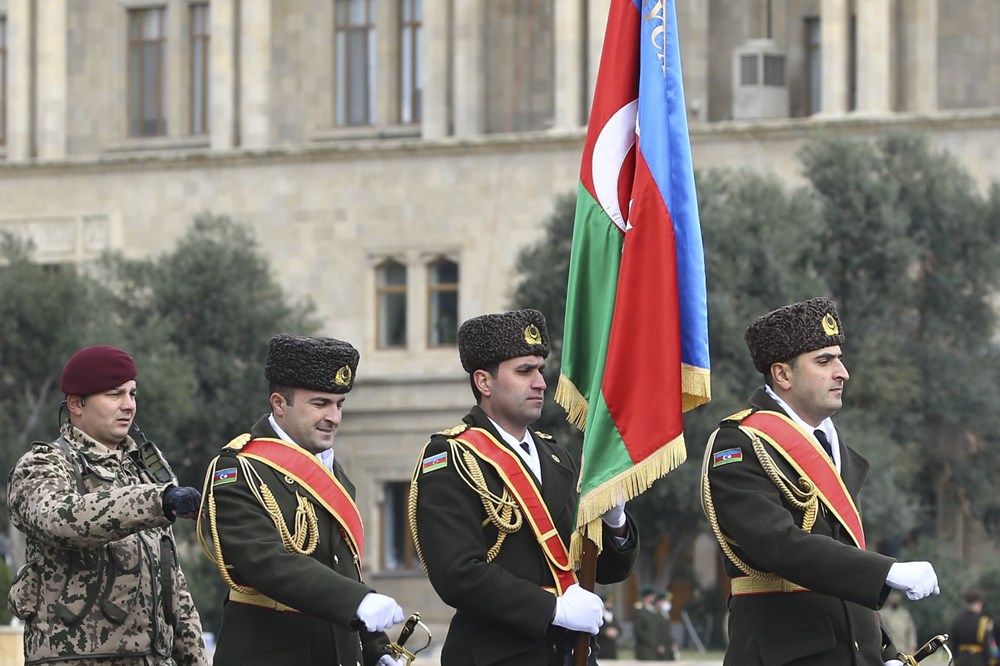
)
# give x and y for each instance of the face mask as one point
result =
(665, 607)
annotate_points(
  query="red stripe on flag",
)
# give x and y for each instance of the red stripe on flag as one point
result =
(642, 380)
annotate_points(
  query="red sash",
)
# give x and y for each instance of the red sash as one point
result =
(810, 461)
(521, 484)
(295, 462)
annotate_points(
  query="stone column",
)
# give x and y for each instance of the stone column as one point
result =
(51, 85)
(20, 89)
(875, 48)
(437, 69)
(255, 73)
(222, 75)
(923, 79)
(468, 101)
(569, 56)
(835, 23)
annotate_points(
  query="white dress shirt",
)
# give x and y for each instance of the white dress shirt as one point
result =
(325, 457)
(530, 456)
(826, 425)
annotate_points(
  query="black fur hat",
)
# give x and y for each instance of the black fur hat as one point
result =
(785, 333)
(317, 364)
(490, 339)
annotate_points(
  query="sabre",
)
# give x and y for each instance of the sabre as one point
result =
(929, 648)
(409, 626)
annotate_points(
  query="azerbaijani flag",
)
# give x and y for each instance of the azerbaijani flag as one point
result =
(635, 348)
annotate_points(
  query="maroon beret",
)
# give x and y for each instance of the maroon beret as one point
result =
(95, 369)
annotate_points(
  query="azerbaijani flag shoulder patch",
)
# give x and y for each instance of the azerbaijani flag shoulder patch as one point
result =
(224, 476)
(721, 458)
(434, 462)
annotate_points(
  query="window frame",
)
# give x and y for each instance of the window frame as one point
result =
(384, 291)
(204, 40)
(411, 62)
(434, 289)
(344, 58)
(408, 560)
(133, 46)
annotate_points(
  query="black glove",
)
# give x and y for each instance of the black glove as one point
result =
(180, 502)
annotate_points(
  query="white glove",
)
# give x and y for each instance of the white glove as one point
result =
(615, 516)
(917, 579)
(387, 660)
(379, 612)
(579, 610)
(894, 662)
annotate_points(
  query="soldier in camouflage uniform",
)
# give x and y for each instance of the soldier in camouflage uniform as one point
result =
(102, 584)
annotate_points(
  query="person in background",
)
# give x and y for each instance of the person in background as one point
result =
(652, 631)
(899, 623)
(607, 637)
(102, 583)
(285, 532)
(972, 636)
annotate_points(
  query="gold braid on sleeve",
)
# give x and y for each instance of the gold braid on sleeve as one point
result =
(801, 496)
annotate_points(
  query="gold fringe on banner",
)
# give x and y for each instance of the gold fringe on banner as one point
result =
(629, 484)
(570, 399)
(696, 387)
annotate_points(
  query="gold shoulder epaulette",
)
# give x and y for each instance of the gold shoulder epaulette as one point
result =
(739, 416)
(237, 443)
(457, 430)
(544, 435)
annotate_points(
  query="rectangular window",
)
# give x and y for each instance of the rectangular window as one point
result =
(3, 80)
(147, 72)
(354, 48)
(411, 66)
(200, 34)
(442, 299)
(391, 305)
(398, 553)
(814, 66)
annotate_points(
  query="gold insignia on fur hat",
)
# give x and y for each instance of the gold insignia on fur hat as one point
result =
(317, 364)
(490, 339)
(783, 334)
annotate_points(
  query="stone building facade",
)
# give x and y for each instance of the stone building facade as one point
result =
(394, 155)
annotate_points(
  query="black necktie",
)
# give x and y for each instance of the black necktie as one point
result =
(526, 447)
(824, 442)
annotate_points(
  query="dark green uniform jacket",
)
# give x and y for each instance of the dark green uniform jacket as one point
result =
(972, 640)
(323, 586)
(503, 615)
(834, 624)
(652, 635)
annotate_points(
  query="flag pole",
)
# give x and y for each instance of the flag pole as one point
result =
(587, 576)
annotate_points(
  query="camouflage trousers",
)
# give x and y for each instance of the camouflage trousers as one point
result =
(152, 660)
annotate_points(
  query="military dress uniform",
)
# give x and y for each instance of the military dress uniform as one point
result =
(503, 607)
(102, 584)
(288, 607)
(832, 622)
(652, 634)
(972, 640)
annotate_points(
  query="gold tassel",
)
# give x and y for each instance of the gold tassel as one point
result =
(629, 484)
(570, 398)
(696, 387)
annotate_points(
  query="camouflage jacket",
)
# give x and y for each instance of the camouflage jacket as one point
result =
(101, 576)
